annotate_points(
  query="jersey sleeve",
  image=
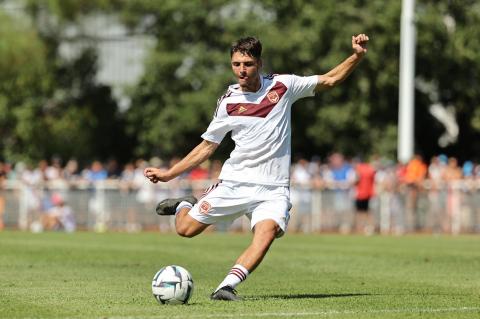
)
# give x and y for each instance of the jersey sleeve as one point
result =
(303, 86)
(219, 126)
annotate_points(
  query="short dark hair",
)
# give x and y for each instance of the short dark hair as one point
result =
(249, 46)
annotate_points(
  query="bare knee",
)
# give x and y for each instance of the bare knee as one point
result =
(186, 231)
(265, 234)
(188, 227)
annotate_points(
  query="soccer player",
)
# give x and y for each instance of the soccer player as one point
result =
(255, 179)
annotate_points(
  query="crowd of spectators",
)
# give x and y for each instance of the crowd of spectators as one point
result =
(347, 179)
(334, 171)
(54, 171)
(433, 196)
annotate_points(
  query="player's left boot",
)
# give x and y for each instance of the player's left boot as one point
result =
(226, 293)
(169, 206)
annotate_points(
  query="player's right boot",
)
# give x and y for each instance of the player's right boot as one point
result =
(169, 206)
(226, 293)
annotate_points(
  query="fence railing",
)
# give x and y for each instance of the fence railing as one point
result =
(112, 205)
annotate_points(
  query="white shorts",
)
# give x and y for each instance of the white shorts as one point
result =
(229, 200)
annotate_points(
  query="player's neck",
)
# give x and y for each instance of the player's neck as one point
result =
(251, 87)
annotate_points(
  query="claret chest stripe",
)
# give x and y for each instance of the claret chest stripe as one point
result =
(261, 109)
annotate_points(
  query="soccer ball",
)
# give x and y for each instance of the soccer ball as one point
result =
(172, 285)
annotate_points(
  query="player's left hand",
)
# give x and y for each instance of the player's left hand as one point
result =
(359, 44)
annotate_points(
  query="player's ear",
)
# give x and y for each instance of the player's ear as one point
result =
(259, 63)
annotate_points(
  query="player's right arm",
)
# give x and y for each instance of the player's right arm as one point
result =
(196, 157)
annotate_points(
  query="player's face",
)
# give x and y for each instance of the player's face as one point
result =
(247, 71)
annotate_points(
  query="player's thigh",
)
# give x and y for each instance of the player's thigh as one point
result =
(223, 203)
(276, 210)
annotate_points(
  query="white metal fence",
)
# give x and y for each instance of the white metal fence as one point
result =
(110, 205)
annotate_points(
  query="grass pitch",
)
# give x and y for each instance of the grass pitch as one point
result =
(87, 275)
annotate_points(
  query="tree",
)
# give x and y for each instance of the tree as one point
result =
(49, 105)
(189, 69)
(23, 79)
(448, 60)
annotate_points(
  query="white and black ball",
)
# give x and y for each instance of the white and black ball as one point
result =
(172, 285)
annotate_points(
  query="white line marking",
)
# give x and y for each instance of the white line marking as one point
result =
(314, 313)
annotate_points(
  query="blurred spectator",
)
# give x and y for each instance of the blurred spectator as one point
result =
(453, 172)
(315, 170)
(415, 174)
(70, 173)
(364, 191)
(390, 203)
(476, 171)
(113, 169)
(436, 195)
(436, 172)
(41, 172)
(467, 169)
(96, 172)
(59, 216)
(146, 190)
(127, 178)
(31, 192)
(301, 196)
(416, 171)
(200, 172)
(300, 172)
(54, 171)
(340, 177)
(453, 175)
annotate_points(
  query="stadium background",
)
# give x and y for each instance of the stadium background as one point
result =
(111, 85)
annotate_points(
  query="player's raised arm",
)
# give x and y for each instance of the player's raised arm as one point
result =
(197, 156)
(341, 71)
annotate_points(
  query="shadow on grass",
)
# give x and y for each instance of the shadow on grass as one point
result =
(305, 296)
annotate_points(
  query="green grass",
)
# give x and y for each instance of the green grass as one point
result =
(87, 275)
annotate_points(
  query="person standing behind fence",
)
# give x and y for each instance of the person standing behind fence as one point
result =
(364, 191)
(96, 173)
(415, 174)
(341, 177)
(301, 196)
(453, 176)
(436, 194)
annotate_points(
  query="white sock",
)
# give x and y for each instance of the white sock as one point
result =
(182, 205)
(237, 274)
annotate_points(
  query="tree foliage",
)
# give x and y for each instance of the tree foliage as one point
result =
(49, 105)
(189, 69)
(23, 79)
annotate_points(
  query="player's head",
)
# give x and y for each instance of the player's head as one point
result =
(246, 62)
(250, 46)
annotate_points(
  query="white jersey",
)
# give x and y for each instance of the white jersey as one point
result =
(260, 123)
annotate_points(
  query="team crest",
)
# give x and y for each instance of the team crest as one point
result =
(242, 109)
(273, 96)
(205, 207)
